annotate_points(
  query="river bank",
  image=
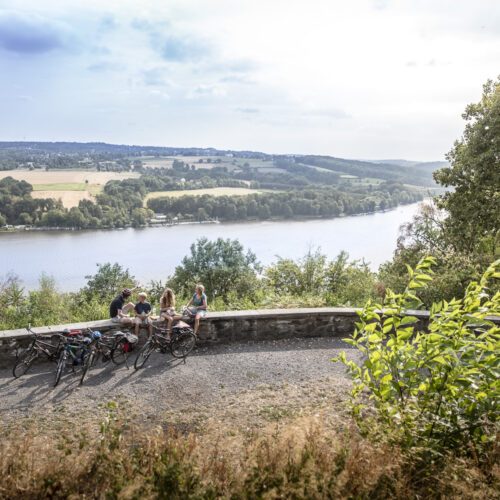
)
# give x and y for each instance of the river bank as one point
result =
(153, 253)
(160, 223)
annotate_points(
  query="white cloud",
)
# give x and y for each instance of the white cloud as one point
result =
(372, 78)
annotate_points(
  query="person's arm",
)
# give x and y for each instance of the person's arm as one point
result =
(203, 306)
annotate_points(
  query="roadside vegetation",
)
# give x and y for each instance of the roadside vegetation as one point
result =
(424, 425)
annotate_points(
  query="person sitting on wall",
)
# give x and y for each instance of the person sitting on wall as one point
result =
(119, 311)
(167, 309)
(197, 306)
(142, 313)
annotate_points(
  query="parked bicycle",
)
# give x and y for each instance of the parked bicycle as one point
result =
(40, 345)
(115, 348)
(180, 344)
(76, 345)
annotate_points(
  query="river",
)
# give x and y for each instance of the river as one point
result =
(153, 253)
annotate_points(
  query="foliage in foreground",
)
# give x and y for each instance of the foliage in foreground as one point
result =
(299, 460)
(437, 391)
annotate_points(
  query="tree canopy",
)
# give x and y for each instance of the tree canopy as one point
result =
(474, 171)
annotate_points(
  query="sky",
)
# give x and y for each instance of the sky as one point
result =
(366, 79)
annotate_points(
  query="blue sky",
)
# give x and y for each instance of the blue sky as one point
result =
(360, 79)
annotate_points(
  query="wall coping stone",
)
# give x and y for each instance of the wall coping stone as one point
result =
(106, 324)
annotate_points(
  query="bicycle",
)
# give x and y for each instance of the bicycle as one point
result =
(36, 348)
(115, 349)
(74, 349)
(180, 344)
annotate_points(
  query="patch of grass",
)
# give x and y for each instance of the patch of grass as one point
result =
(219, 191)
(275, 413)
(68, 186)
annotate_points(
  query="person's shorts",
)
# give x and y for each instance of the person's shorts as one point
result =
(202, 313)
(142, 321)
(116, 319)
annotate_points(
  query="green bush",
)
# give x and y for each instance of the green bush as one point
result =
(440, 389)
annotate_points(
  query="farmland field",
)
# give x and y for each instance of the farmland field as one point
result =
(207, 161)
(69, 186)
(69, 198)
(66, 176)
(219, 191)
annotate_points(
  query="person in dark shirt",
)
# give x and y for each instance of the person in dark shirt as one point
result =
(142, 313)
(119, 310)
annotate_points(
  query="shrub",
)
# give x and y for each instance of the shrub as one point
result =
(438, 390)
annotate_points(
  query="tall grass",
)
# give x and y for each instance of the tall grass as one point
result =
(299, 460)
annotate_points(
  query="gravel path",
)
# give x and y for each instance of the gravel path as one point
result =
(267, 378)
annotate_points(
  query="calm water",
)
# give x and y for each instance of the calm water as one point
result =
(153, 253)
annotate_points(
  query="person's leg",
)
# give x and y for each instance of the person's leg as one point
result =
(128, 307)
(150, 326)
(169, 319)
(137, 324)
(197, 323)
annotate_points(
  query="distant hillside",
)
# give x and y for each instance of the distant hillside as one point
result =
(313, 167)
(419, 174)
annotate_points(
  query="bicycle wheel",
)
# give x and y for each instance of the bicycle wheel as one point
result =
(182, 344)
(120, 351)
(88, 361)
(60, 366)
(143, 354)
(24, 362)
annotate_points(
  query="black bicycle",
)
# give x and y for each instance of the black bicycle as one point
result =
(76, 346)
(40, 345)
(180, 344)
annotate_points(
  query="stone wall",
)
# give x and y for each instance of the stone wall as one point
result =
(231, 326)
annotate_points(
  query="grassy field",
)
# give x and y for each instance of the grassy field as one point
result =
(70, 186)
(69, 198)
(231, 163)
(66, 176)
(220, 191)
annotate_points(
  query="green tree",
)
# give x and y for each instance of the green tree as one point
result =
(222, 266)
(109, 280)
(474, 172)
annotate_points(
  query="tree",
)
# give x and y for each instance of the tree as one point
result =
(222, 266)
(474, 171)
(108, 281)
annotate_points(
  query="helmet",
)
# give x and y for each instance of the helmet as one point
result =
(86, 340)
(126, 292)
(96, 335)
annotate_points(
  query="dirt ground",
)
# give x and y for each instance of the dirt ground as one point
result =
(230, 390)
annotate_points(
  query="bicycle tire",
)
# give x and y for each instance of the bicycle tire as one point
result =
(87, 363)
(143, 354)
(118, 353)
(182, 344)
(60, 366)
(24, 362)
